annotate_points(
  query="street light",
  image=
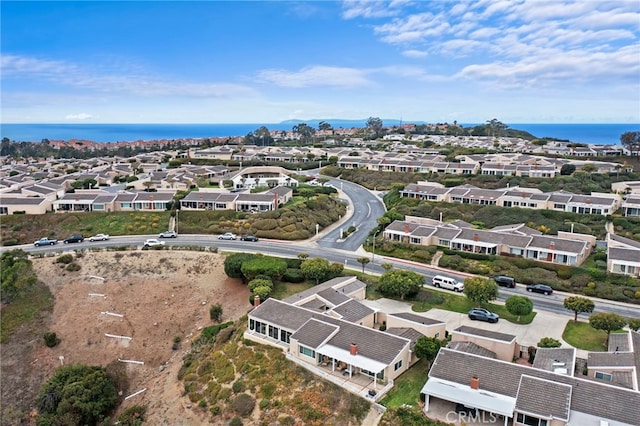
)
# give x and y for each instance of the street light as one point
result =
(176, 221)
(373, 254)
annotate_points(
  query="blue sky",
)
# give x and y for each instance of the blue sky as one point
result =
(519, 61)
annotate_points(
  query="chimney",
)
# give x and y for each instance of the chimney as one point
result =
(476, 237)
(353, 350)
(475, 383)
(256, 301)
(552, 245)
(407, 229)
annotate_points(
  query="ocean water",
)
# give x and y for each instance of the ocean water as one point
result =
(584, 133)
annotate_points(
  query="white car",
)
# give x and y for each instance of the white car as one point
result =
(168, 234)
(153, 242)
(227, 236)
(99, 237)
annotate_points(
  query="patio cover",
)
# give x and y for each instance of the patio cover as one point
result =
(355, 360)
(463, 394)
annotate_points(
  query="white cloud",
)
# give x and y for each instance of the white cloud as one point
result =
(413, 53)
(352, 9)
(316, 76)
(133, 83)
(81, 116)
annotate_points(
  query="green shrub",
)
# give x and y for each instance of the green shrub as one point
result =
(72, 267)
(236, 421)
(215, 312)
(51, 339)
(132, 416)
(238, 386)
(264, 403)
(293, 276)
(243, 404)
(65, 258)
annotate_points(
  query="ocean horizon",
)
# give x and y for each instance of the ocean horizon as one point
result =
(592, 133)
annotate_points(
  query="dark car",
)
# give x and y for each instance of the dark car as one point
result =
(249, 238)
(482, 314)
(540, 288)
(75, 238)
(503, 281)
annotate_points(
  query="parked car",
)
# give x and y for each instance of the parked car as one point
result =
(99, 237)
(540, 288)
(45, 242)
(503, 281)
(75, 238)
(168, 234)
(449, 283)
(153, 242)
(227, 236)
(482, 314)
(249, 238)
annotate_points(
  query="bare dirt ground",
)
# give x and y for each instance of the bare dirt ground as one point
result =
(148, 298)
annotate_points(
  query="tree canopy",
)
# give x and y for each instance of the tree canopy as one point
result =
(316, 269)
(608, 322)
(400, 283)
(578, 304)
(480, 290)
(76, 394)
(519, 305)
(374, 125)
(631, 141)
(428, 347)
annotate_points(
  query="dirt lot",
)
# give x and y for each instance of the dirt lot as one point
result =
(148, 298)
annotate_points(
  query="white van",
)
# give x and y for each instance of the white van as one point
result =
(448, 283)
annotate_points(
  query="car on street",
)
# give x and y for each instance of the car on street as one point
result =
(481, 314)
(249, 238)
(153, 242)
(504, 281)
(227, 236)
(540, 288)
(99, 237)
(75, 238)
(45, 242)
(449, 283)
(168, 234)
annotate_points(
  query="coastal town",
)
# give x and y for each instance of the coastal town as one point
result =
(335, 329)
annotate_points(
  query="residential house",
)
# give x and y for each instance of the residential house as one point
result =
(545, 394)
(328, 331)
(623, 255)
(502, 345)
(631, 206)
(510, 240)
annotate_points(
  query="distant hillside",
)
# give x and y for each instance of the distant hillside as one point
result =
(337, 122)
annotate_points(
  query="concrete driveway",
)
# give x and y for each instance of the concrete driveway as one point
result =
(545, 324)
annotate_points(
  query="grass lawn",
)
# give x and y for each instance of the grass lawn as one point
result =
(429, 299)
(582, 336)
(24, 309)
(406, 388)
(282, 290)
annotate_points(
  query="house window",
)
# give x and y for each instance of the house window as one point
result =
(285, 336)
(603, 376)
(252, 324)
(380, 375)
(274, 332)
(308, 352)
(529, 420)
(437, 335)
(397, 365)
(125, 205)
(444, 243)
